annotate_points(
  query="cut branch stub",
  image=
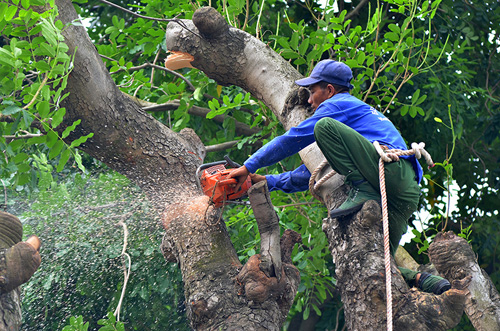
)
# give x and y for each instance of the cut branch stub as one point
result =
(18, 260)
(269, 229)
(271, 273)
(210, 23)
(454, 258)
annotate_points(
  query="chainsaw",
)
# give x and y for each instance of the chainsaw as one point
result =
(217, 184)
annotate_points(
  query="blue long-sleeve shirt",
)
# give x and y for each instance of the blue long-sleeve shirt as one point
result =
(343, 107)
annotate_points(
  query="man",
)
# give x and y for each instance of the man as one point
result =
(344, 128)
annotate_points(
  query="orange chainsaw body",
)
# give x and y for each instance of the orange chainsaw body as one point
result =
(216, 184)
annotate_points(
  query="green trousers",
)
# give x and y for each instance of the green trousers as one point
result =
(352, 155)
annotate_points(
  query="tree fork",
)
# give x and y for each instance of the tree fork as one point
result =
(357, 250)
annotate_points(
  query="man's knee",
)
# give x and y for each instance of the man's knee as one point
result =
(325, 127)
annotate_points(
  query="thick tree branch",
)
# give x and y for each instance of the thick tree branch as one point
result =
(247, 62)
(454, 259)
(270, 276)
(269, 228)
(127, 139)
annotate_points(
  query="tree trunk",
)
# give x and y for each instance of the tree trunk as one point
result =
(18, 261)
(10, 310)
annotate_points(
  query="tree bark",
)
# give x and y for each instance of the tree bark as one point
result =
(10, 310)
(454, 259)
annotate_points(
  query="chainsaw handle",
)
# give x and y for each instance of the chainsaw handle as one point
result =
(230, 162)
(206, 166)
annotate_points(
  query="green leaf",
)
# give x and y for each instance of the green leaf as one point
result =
(404, 110)
(25, 4)
(57, 117)
(316, 309)
(81, 140)
(37, 140)
(49, 33)
(27, 117)
(304, 46)
(3, 9)
(70, 128)
(42, 66)
(23, 167)
(198, 94)
(56, 149)
(10, 13)
(307, 311)
(78, 159)
(63, 159)
(289, 54)
(413, 112)
(225, 100)
(283, 42)
(22, 178)
(238, 98)
(415, 97)
(10, 110)
(361, 58)
(394, 28)
(20, 158)
(43, 108)
(298, 256)
(51, 139)
(392, 36)
(294, 42)
(45, 49)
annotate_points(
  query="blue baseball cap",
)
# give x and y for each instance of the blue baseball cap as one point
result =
(329, 71)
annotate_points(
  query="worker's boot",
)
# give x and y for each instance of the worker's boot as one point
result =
(361, 191)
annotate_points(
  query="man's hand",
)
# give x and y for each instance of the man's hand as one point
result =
(240, 175)
(257, 178)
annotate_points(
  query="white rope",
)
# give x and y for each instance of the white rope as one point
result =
(313, 188)
(387, 246)
(386, 155)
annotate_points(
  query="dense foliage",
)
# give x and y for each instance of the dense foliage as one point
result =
(431, 66)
